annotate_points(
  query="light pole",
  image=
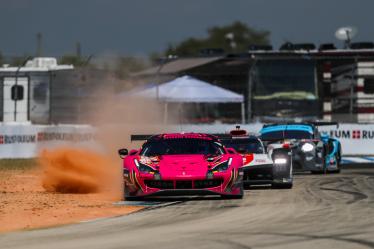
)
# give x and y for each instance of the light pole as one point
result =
(251, 75)
(16, 87)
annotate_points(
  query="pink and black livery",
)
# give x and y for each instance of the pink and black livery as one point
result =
(181, 164)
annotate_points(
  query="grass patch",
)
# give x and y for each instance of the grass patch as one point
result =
(17, 164)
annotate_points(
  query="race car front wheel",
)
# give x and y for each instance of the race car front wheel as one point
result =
(337, 165)
(128, 197)
(230, 197)
(238, 196)
(133, 198)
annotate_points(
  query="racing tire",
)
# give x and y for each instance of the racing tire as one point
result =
(133, 198)
(238, 196)
(337, 158)
(287, 185)
(316, 172)
(231, 197)
(335, 171)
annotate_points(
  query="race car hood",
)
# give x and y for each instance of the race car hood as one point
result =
(182, 165)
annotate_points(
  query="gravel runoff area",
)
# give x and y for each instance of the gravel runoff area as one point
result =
(25, 204)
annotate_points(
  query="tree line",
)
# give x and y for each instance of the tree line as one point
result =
(232, 38)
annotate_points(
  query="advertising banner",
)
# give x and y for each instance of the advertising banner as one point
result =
(356, 139)
(26, 141)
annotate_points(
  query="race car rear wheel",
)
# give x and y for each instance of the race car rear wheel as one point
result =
(338, 160)
(287, 185)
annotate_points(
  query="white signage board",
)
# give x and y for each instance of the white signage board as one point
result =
(26, 141)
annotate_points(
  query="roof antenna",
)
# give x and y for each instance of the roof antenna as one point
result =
(346, 34)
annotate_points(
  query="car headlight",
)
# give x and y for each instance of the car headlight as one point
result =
(144, 168)
(280, 160)
(307, 147)
(222, 166)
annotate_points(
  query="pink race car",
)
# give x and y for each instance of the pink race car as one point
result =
(182, 164)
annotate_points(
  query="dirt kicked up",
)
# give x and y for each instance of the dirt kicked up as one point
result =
(63, 186)
(67, 170)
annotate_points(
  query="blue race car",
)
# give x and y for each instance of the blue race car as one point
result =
(311, 150)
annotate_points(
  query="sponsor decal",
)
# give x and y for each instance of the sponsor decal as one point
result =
(356, 134)
(55, 136)
(46, 136)
(353, 134)
(17, 139)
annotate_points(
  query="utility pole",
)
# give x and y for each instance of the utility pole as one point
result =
(16, 88)
(352, 89)
(78, 49)
(251, 82)
(39, 40)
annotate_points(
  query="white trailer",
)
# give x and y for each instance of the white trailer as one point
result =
(24, 91)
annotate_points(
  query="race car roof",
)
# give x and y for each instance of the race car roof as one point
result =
(293, 127)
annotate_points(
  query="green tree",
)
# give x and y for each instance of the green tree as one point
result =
(75, 60)
(235, 37)
(128, 65)
(19, 60)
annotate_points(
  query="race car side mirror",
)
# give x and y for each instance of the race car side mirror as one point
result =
(122, 153)
(133, 152)
(231, 151)
(260, 151)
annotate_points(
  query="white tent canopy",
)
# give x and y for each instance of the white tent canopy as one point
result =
(187, 89)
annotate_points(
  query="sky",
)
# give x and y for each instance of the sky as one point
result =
(140, 27)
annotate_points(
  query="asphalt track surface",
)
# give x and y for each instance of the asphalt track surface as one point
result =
(321, 211)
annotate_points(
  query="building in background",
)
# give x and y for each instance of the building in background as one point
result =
(43, 92)
(278, 85)
(294, 83)
(352, 88)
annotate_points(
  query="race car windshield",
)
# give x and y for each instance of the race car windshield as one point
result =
(245, 146)
(287, 134)
(181, 147)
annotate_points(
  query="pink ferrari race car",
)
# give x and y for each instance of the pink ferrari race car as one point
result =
(181, 164)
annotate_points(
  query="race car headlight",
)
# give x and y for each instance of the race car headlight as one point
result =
(280, 160)
(223, 166)
(307, 147)
(144, 168)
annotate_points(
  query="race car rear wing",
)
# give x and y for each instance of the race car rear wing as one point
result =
(141, 137)
(221, 136)
(315, 123)
(322, 123)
